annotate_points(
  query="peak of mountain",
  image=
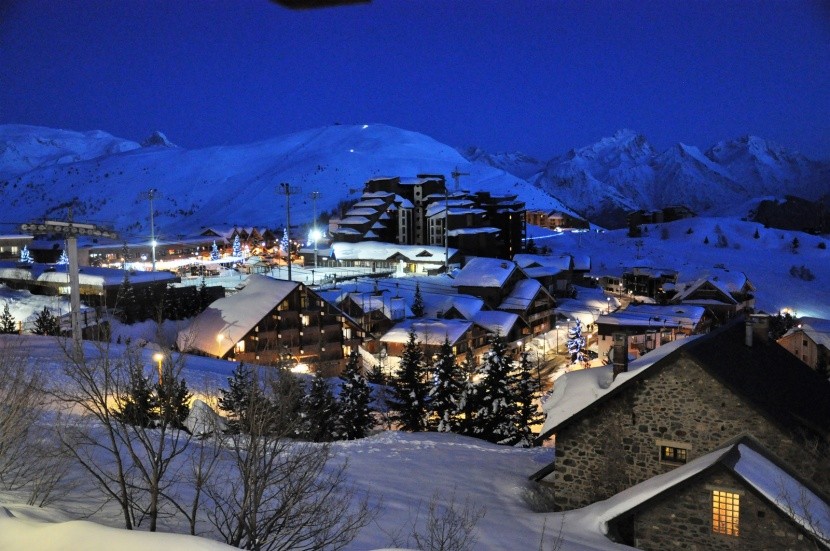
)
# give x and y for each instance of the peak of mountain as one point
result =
(157, 139)
(516, 163)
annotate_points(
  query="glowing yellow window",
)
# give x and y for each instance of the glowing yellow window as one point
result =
(725, 513)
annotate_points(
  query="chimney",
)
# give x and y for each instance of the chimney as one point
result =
(619, 353)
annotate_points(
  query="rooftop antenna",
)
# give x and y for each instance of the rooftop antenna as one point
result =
(456, 175)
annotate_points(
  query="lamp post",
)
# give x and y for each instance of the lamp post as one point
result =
(608, 301)
(159, 358)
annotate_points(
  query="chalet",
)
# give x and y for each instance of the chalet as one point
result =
(645, 281)
(555, 219)
(555, 273)
(388, 257)
(649, 326)
(376, 311)
(430, 334)
(502, 285)
(810, 342)
(271, 322)
(616, 426)
(724, 293)
(739, 496)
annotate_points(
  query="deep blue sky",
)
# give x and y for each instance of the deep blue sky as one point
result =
(533, 76)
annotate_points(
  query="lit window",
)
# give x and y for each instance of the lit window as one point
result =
(674, 455)
(725, 513)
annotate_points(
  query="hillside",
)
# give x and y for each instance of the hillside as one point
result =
(43, 170)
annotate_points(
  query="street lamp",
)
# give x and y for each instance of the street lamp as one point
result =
(315, 235)
(159, 357)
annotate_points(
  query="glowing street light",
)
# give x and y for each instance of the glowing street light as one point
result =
(315, 236)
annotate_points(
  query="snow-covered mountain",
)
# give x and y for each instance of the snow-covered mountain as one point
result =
(624, 172)
(516, 163)
(43, 170)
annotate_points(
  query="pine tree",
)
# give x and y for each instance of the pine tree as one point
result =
(63, 259)
(576, 343)
(756, 235)
(467, 398)
(204, 298)
(526, 394)
(409, 388)
(495, 406)
(530, 246)
(418, 303)
(284, 244)
(237, 246)
(7, 322)
(214, 252)
(125, 302)
(25, 256)
(140, 404)
(319, 411)
(243, 392)
(173, 400)
(46, 323)
(355, 415)
(794, 245)
(445, 395)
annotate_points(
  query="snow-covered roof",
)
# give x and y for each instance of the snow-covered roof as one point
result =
(484, 272)
(651, 271)
(428, 331)
(361, 212)
(577, 390)
(817, 329)
(732, 281)
(404, 202)
(437, 303)
(374, 202)
(496, 321)
(222, 324)
(472, 231)
(685, 290)
(747, 460)
(558, 263)
(87, 275)
(348, 231)
(371, 302)
(655, 315)
(374, 250)
(354, 220)
(522, 295)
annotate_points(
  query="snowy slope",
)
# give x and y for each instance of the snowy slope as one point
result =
(223, 186)
(766, 261)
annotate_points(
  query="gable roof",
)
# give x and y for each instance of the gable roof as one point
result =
(227, 320)
(750, 463)
(522, 295)
(655, 315)
(428, 331)
(777, 383)
(817, 329)
(482, 271)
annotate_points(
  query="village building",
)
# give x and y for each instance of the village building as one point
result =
(274, 322)
(384, 257)
(623, 424)
(739, 496)
(555, 273)
(649, 326)
(555, 219)
(502, 285)
(725, 293)
(645, 281)
(12, 244)
(422, 211)
(430, 335)
(809, 341)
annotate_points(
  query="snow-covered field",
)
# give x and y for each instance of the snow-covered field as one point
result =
(400, 472)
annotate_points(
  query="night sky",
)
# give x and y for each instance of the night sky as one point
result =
(533, 76)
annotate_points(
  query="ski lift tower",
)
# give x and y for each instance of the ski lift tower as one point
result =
(70, 231)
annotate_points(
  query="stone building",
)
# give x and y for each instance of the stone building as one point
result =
(737, 497)
(681, 402)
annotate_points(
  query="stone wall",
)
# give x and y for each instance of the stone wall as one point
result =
(617, 444)
(682, 519)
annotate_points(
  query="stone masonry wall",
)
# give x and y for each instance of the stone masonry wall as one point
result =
(683, 520)
(616, 445)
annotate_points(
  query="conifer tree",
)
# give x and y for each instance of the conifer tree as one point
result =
(140, 404)
(445, 394)
(576, 343)
(467, 397)
(214, 252)
(494, 401)
(63, 259)
(319, 411)
(204, 298)
(284, 244)
(418, 303)
(125, 302)
(173, 399)
(237, 246)
(530, 246)
(7, 323)
(25, 255)
(243, 392)
(46, 323)
(409, 388)
(526, 393)
(354, 412)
